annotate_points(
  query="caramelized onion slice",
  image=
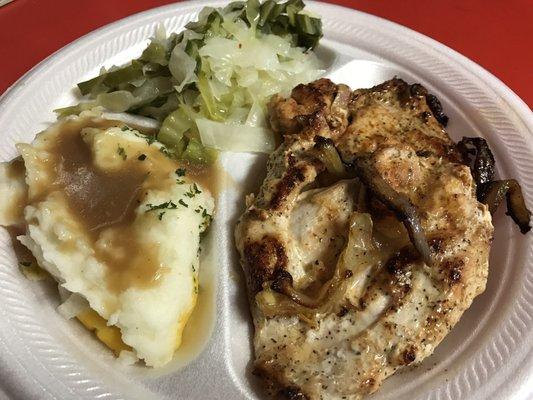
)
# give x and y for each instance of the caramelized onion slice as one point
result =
(282, 283)
(326, 152)
(492, 192)
(359, 254)
(402, 207)
(483, 167)
(495, 191)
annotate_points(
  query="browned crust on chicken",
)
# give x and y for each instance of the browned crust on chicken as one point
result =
(291, 227)
(294, 176)
(267, 255)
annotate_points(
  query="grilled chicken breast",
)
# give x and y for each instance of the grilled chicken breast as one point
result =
(339, 297)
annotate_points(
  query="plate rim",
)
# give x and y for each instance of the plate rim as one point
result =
(513, 101)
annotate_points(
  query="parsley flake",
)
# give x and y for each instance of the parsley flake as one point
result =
(183, 203)
(207, 218)
(142, 157)
(150, 139)
(168, 205)
(122, 153)
(181, 171)
(193, 191)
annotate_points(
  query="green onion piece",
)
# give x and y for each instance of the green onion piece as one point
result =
(293, 7)
(123, 75)
(214, 26)
(160, 112)
(309, 29)
(172, 130)
(206, 17)
(192, 48)
(155, 53)
(114, 78)
(215, 110)
(198, 154)
(280, 26)
(74, 110)
(308, 25)
(94, 85)
(252, 11)
(234, 6)
(152, 89)
(119, 101)
(152, 69)
(270, 10)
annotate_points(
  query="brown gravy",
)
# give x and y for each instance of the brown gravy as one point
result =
(104, 203)
(99, 198)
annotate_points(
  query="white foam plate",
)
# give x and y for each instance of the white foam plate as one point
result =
(487, 356)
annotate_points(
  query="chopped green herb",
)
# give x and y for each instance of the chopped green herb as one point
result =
(122, 153)
(142, 157)
(180, 181)
(149, 138)
(125, 128)
(207, 218)
(193, 191)
(160, 216)
(168, 205)
(181, 171)
(183, 203)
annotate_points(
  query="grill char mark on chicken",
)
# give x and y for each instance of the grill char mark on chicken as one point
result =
(381, 315)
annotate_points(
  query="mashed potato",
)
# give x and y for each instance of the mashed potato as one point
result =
(115, 221)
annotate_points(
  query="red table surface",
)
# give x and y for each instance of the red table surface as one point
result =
(496, 34)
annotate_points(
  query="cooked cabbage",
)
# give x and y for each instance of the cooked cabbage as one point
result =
(211, 82)
(231, 137)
